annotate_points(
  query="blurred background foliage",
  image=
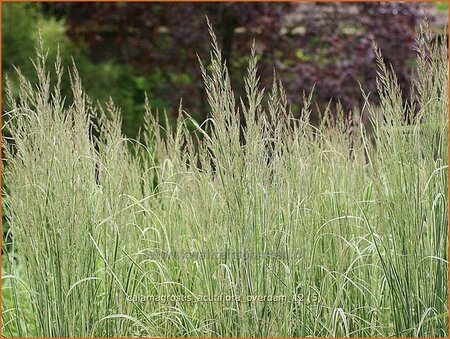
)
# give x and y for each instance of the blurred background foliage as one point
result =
(123, 50)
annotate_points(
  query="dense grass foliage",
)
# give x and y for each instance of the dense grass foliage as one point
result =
(294, 230)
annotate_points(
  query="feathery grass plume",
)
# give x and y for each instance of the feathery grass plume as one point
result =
(256, 223)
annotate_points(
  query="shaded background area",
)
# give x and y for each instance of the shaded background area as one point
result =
(125, 49)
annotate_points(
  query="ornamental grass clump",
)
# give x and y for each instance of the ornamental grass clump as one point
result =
(252, 223)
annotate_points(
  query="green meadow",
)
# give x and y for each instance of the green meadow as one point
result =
(252, 223)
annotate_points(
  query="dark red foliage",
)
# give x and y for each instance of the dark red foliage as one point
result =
(327, 44)
(337, 44)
